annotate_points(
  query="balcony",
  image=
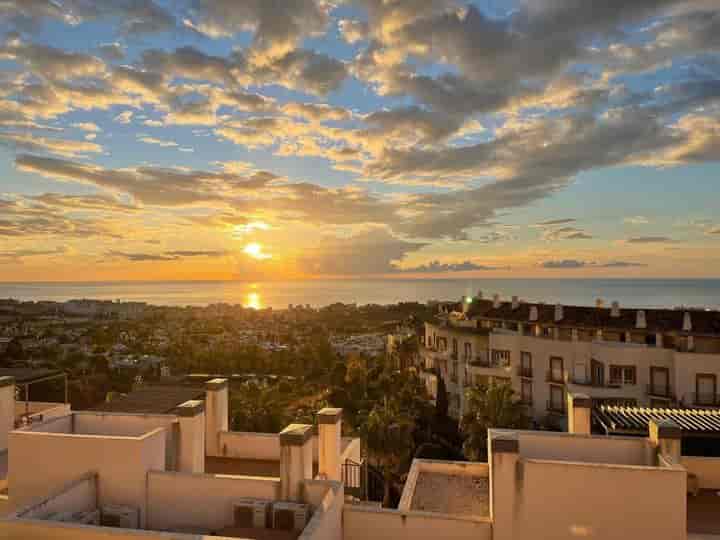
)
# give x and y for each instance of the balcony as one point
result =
(527, 401)
(553, 376)
(705, 399)
(454, 378)
(580, 380)
(556, 408)
(526, 372)
(660, 391)
(454, 355)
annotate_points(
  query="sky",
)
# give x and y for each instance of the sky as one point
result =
(292, 139)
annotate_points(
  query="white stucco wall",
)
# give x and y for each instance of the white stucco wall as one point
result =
(326, 523)
(78, 496)
(242, 445)
(363, 522)
(707, 469)
(180, 500)
(122, 463)
(585, 448)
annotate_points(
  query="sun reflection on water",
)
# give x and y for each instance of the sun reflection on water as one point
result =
(253, 300)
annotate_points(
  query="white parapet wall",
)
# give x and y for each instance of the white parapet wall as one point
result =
(362, 522)
(242, 445)
(327, 498)
(182, 500)
(706, 469)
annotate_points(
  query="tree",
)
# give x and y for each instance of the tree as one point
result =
(485, 408)
(387, 434)
(441, 401)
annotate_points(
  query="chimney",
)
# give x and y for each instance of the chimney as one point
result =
(191, 417)
(216, 415)
(7, 410)
(599, 303)
(687, 322)
(558, 312)
(479, 295)
(666, 437)
(465, 300)
(533, 313)
(296, 461)
(329, 443)
(640, 321)
(578, 413)
(496, 301)
(615, 310)
(515, 303)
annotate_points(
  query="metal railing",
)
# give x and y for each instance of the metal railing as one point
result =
(703, 399)
(526, 372)
(658, 390)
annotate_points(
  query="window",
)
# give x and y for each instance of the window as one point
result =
(660, 381)
(454, 375)
(623, 375)
(500, 358)
(526, 392)
(454, 346)
(556, 369)
(705, 389)
(597, 373)
(525, 364)
(557, 396)
(468, 351)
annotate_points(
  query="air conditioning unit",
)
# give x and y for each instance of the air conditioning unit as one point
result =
(124, 517)
(290, 516)
(251, 513)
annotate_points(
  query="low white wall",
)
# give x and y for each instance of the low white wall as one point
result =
(585, 448)
(180, 500)
(326, 523)
(707, 469)
(454, 468)
(119, 424)
(565, 501)
(42, 530)
(40, 463)
(363, 522)
(57, 424)
(78, 496)
(241, 445)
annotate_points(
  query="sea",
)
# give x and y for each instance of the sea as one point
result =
(640, 293)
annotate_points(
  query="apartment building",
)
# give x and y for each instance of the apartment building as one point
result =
(137, 476)
(649, 357)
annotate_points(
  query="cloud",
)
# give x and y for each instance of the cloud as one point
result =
(649, 240)
(87, 126)
(17, 255)
(124, 117)
(61, 147)
(166, 256)
(714, 230)
(353, 31)
(111, 51)
(574, 263)
(436, 267)
(636, 220)
(158, 142)
(553, 222)
(375, 251)
(565, 233)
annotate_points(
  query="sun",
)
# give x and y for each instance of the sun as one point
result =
(255, 250)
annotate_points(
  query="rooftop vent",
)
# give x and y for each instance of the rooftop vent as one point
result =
(496, 301)
(687, 322)
(615, 310)
(558, 312)
(599, 303)
(515, 303)
(479, 295)
(640, 321)
(533, 313)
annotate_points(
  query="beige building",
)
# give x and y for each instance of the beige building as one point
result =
(182, 475)
(654, 357)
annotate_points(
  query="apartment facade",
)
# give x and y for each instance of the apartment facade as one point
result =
(616, 356)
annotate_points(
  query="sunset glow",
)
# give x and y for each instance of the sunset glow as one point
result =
(212, 139)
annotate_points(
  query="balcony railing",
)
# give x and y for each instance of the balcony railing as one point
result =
(454, 379)
(705, 399)
(526, 372)
(553, 376)
(587, 381)
(527, 401)
(662, 391)
(553, 407)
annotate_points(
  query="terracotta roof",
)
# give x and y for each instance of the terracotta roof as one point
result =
(152, 400)
(665, 320)
(618, 419)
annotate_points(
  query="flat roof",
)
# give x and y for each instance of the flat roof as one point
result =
(454, 494)
(635, 420)
(29, 375)
(151, 400)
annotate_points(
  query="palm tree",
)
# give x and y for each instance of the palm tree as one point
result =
(388, 436)
(485, 408)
